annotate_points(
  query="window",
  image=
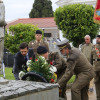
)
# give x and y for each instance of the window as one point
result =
(47, 34)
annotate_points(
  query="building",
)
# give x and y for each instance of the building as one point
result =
(67, 2)
(47, 24)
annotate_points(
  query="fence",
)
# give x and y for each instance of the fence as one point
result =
(8, 59)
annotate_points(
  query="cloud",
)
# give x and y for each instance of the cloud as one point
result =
(20, 8)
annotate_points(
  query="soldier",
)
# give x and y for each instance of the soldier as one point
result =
(96, 65)
(77, 63)
(60, 64)
(38, 42)
(87, 49)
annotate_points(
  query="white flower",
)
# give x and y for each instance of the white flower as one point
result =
(28, 62)
(21, 74)
(53, 69)
(42, 57)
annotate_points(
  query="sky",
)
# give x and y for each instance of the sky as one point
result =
(15, 9)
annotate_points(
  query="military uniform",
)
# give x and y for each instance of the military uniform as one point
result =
(87, 50)
(77, 63)
(35, 44)
(96, 65)
(60, 64)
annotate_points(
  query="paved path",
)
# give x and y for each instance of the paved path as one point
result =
(92, 95)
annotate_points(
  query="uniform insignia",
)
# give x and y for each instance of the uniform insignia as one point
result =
(97, 52)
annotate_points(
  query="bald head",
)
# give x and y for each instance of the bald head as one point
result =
(87, 39)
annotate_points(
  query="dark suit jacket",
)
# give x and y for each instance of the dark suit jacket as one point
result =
(19, 60)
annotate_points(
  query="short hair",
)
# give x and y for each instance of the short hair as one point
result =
(68, 46)
(23, 45)
(87, 36)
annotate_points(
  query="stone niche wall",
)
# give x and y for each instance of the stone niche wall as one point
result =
(27, 90)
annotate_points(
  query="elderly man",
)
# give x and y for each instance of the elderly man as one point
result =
(87, 49)
(96, 65)
(38, 42)
(78, 64)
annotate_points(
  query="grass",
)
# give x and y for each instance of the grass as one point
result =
(9, 75)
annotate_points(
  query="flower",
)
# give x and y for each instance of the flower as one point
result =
(51, 63)
(36, 59)
(52, 81)
(53, 69)
(30, 58)
(21, 74)
(28, 69)
(28, 62)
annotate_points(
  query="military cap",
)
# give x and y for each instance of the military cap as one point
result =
(98, 36)
(38, 32)
(62, 44)
(42, 50)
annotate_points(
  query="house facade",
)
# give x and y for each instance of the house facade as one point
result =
(47, 24)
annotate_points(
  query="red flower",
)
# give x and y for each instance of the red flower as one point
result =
(36, 59)
(52, 81)
(51, 63)
(30, 58)
(99, 56)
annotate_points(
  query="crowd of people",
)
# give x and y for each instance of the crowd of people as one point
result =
(84, 63)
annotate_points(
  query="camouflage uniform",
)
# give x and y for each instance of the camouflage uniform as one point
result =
(77, 63)
(60, 64)
(35, 44)
(96, 65)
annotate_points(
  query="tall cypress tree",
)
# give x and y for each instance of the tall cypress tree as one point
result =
(41, 8)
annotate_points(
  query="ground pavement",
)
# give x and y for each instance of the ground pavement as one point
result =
(92, 95)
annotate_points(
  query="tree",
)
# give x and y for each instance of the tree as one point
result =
(17, 34)
(41, 8)
(76, 21)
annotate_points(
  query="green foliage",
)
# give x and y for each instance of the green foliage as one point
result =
(41, 67)
(76, 21)
(18, 34)
(41, 8)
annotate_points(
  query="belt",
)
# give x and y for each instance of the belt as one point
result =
(96, 59)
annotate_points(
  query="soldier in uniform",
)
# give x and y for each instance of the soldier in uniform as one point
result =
(78, 64)
(87, 49)
(96, 65)
(38, 42)
(60, 64)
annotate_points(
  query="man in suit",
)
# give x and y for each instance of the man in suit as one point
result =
(21, 58)
(80, 66)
